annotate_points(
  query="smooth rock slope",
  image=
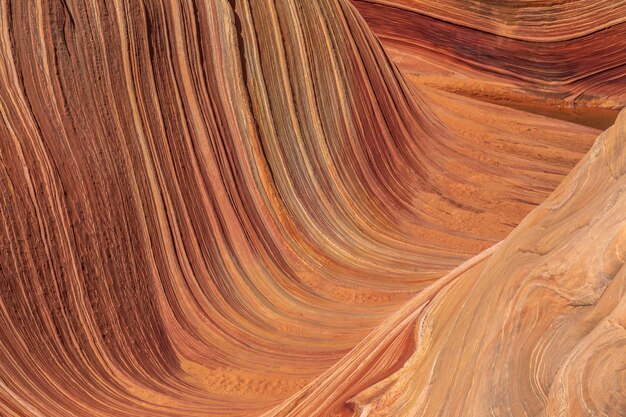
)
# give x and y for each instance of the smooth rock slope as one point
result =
(535, 325)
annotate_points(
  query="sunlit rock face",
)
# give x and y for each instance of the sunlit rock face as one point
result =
(244, 208)
(534, 325)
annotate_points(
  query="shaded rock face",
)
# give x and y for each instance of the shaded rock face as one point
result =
(564, 59)
(244, 208)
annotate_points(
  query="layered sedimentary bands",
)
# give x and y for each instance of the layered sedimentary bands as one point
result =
(512, 52)
(245, 208)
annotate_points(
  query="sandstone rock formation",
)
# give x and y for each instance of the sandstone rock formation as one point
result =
(512, 52)
(534, 325)
(243, 208)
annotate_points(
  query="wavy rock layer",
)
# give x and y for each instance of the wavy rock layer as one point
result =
(206, 205)
(535, 325)
(570, 50)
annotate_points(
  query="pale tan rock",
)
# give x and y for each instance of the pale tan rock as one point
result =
(532, 326)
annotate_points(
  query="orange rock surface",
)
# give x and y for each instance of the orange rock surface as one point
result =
(245, 208)
(534, 325)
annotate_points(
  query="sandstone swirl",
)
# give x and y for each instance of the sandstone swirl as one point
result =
(238, 208)
(535, 325)
(523, 52)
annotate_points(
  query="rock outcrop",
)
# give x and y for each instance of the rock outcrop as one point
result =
(214, 207)
(535, 325)
(570, 54)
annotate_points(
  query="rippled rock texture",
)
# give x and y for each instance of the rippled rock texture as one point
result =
(534, 325)
(562, 58)
(243, 208)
